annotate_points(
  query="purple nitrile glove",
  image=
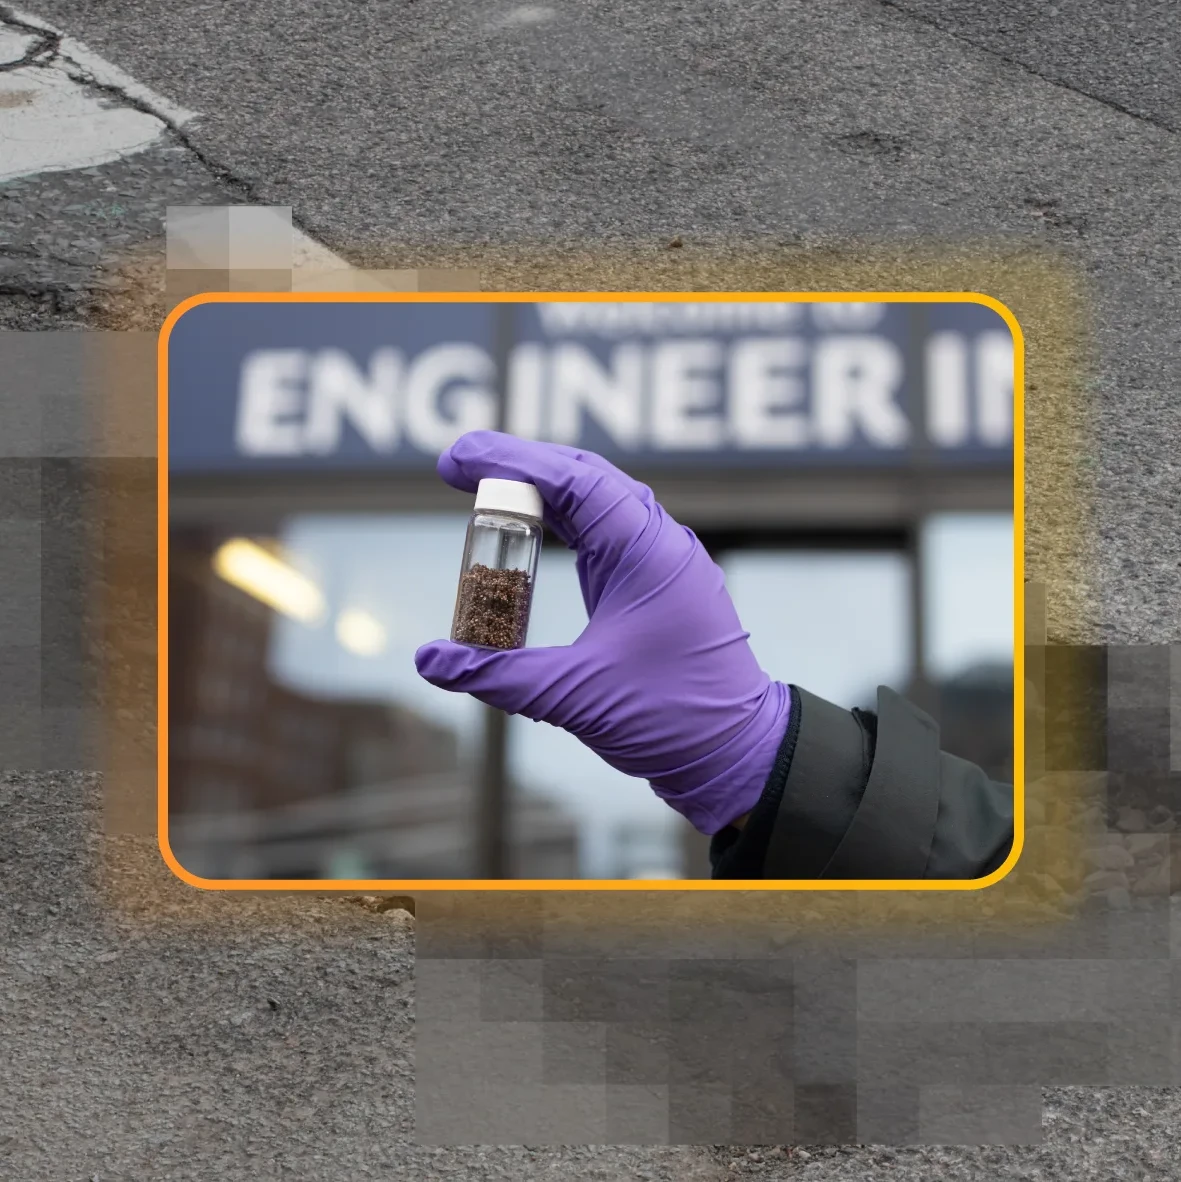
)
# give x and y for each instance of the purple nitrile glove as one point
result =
(661, 684)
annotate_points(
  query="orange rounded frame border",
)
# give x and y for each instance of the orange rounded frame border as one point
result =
(599, 884)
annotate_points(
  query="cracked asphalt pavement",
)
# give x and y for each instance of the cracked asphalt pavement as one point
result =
(413, 133)
(410, 133)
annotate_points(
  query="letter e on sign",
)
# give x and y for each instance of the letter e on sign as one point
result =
(764, 384)
(269, 403)
(682, 382)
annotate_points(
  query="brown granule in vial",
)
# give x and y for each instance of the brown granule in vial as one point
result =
(493, 608)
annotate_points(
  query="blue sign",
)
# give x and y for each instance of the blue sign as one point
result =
(330, 386)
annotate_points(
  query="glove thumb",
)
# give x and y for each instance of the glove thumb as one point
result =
(525, 681)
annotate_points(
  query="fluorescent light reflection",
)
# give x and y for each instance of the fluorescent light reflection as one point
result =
(250, 568)
(360, 633)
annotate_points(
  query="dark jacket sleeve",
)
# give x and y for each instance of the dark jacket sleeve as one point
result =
(855, 794)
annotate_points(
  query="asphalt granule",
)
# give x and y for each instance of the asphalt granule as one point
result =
(493, 608)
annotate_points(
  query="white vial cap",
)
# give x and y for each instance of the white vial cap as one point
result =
(510, 496)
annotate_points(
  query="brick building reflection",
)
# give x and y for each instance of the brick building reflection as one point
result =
(269, 782)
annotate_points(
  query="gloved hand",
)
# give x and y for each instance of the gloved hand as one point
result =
(661, 684)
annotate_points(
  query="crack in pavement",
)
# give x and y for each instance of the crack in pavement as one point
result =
(1111, 104)
(54, 50)
(50, 52)
(237, 185)
(44, 49)
(51, 44)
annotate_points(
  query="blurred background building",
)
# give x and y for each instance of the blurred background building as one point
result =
(848, 465)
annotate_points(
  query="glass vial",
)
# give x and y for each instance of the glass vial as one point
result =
(499, 566)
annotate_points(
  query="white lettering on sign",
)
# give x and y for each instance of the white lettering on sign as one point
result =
(764, 383)
(614, 319)
(465, 373)
(994, 388)
(952, 415)
(854, 381)
(611, 397)
(526, 392)
(684, 384)
(674, 394)
(269, 399)
(845, 315)
(948, 418)
(339, 391)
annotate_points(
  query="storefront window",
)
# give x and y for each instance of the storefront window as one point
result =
(968, 560)
(835, 623)
(389, 586)
(968, 591)
(310, 747)
(306, 745)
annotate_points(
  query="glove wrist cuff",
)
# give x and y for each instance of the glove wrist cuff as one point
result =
(713, 805)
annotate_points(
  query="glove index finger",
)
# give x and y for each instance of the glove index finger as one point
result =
(592, 459)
